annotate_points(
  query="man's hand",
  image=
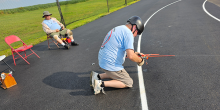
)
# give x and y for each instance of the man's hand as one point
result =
(139, 54)
(141, 63)
(133, 56)
(57, 30)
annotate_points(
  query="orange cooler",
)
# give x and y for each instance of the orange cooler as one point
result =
(8, 80)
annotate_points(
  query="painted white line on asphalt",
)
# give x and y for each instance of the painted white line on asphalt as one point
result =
(203, 6)
(140, 73)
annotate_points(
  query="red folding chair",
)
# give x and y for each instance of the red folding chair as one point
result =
(11, 39)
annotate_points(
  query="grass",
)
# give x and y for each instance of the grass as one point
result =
(27, 25)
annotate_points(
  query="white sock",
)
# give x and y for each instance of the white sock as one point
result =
(72, 40)
(63, 44)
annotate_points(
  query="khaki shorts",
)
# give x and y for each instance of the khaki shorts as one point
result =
(63, 32)
(121, 75)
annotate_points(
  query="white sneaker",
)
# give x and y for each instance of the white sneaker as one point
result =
(97, 87)
(93, 76)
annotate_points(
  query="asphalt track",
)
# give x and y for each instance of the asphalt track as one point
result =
(188, 81)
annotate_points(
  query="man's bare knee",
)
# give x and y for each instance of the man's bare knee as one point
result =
(56, 37)
(69, 32)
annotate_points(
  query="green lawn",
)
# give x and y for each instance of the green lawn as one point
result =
(27, 25)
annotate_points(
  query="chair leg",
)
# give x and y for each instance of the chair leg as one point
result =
(55, 42)
(8, 65)
(48, 40)
(13, 58)
(22, 58)
(34, 53)
(25, 55)
(48, 43)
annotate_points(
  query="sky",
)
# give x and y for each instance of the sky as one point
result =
(9, 4)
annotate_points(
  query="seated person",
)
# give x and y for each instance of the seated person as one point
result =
(54, 28)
